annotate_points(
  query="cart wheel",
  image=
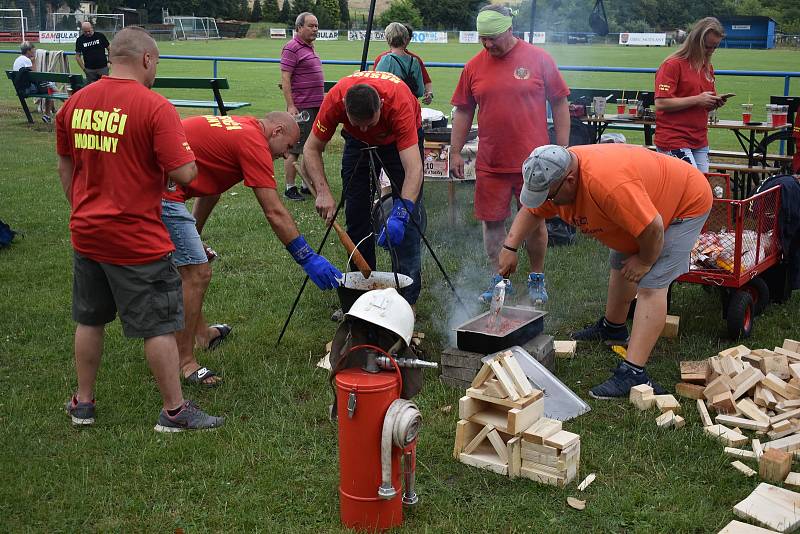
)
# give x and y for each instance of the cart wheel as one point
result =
(759, 290)
(740, 314)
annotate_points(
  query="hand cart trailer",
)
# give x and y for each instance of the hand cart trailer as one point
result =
(737, 251)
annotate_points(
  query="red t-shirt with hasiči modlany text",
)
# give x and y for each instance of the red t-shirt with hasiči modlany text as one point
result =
(686, 128)
(229, 150)
(401, 115)
(122, 138)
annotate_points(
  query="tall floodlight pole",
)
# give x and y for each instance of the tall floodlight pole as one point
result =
(368, 35)
(533, 17)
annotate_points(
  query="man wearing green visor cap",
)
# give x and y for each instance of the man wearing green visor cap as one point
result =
(510, 82)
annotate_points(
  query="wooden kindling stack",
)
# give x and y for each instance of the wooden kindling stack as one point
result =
(502, 428)
(750, 390)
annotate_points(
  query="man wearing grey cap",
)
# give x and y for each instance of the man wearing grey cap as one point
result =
(648, 209)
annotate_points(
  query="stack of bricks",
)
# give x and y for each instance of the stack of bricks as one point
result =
(502, 428)
(459, 367)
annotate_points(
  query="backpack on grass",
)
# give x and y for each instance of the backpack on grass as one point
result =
(6, 234)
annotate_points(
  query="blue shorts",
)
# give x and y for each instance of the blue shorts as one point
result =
(182, 229)
(679, 239)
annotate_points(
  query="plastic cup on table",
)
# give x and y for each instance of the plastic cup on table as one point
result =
(621, 106)
(747, 113)
(633, 107)
(768, 109)
(782, 112)
(599, 103)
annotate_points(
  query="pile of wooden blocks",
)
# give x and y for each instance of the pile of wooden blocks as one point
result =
(502, 428)
(643, 397)
(775, 508)
(756, 390)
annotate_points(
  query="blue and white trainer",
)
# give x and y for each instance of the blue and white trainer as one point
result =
(81, 413)
(623, 378)
(190, 417)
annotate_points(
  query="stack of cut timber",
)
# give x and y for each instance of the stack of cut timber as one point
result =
(643, 397)
(773, 507)
(750, 390)
(502, 428)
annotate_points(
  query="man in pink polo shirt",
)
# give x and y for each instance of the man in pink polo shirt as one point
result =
(303, 88)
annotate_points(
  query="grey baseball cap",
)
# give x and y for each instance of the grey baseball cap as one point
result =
(545, 165)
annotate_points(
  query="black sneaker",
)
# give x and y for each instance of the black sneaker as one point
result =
(600, 331)
(293, 194)
(305, 190)
(191, 417)
(623, 378)
(82, 413)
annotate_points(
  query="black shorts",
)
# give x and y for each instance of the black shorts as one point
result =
(305, 130)
(148, 298)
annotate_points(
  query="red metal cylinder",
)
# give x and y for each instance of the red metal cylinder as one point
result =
(360, 450)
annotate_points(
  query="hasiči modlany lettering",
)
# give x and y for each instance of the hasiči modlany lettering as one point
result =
(106, 122)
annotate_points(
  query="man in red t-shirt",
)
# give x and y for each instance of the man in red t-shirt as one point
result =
(230, 150)
(648, 209)
(427, 96)
(510, 82)
(115, 140)
(375, 109)
(685, 93)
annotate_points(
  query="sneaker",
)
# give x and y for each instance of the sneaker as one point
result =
(293, 194)
(536, 290)
(47, 119)
(304, 190)
(82, 413)
(191, 417)
(623, 378)
(600, 331)
(486, 296)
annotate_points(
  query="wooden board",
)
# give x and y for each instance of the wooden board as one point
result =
(775, 465)
(705, 418)
(726, 435)
(758, 449)
(666, 403)
(484, 460)
(666, 419)
(562, 439)
(791, 345)
(780, 387)
(498, 444)
(721, 384)
(465, 431)
(723, 403)
(788, 444)
(753, 377)
(537, 475)
(520, 420)
(518, 375)
(505, 380)
(475, 393)
(587, 482)
(490, 416)
(785, 415)
(773, 507)
(468, 406)
(478, 439)
(689, 391)
(565, 349)
(640, 391)
(514, 457)
(541, 429)
(739, 350)
(740, 453)
(749, 409)
(694, 371)
(742, 468)
(483, 375)
(737, 527)
(671, 326)
(741, 422)
(777, 364)
(792, 479)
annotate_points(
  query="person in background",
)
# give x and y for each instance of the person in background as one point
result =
(399, 62)
(118, 145)
(303, 86)
(23, 63)
(90, 53)
(685, 93)
(427, 96)
(510, 82)
(647, 208)
(230, 150)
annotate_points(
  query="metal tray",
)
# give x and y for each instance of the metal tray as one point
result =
(473, 336)
(442, 135)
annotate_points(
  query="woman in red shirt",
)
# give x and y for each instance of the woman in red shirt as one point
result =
(685, 93)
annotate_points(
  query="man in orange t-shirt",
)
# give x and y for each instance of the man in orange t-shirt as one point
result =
(510, 82)
(648, 208)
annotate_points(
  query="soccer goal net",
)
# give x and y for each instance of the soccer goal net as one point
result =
(13, 25)
(109, 23)
(193, 27)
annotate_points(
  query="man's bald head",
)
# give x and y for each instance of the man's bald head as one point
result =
(130, 45)
(86, 28)
(282, 132)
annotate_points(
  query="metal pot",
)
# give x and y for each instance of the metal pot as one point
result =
(356, 285)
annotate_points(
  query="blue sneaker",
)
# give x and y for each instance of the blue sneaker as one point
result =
(486, 296)
(600, 331)
(536, 290)
(81, 413)
(623, 378)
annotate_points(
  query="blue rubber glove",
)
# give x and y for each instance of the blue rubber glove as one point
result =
(536, 288)
(397, 222)
(320, 270)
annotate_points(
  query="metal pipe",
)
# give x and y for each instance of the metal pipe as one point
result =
(410, 497)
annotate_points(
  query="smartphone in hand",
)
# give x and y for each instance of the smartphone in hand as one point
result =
(726, 96)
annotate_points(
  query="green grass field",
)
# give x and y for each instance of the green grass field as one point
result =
(273, 467)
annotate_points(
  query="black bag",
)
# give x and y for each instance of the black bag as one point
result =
(411, 82)
(22, 80)
(598, 20)
(6, 235)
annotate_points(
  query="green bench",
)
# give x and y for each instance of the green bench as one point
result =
(75, 81)
(215, 84)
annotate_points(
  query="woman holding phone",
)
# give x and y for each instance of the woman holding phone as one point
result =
(685, 93)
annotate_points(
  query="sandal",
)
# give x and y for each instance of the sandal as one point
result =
(199, 377)
(224, 330)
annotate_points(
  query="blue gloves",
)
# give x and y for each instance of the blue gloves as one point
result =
(397, 222)
(536, 289)
(320, 270)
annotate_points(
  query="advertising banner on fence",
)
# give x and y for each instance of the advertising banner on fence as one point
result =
(359, 35)
(468, 37)
(643, 39)
(324, 35)
(277, 33)
(429, 37)
(58, 37)
(538, 37)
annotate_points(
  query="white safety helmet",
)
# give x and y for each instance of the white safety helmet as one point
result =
(387, 309)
